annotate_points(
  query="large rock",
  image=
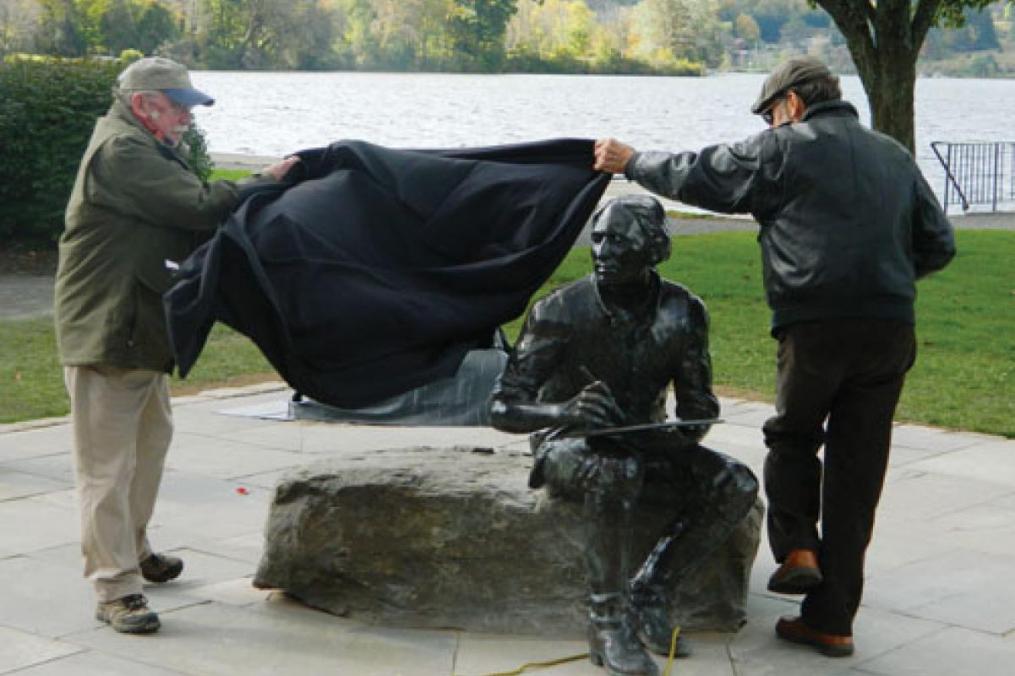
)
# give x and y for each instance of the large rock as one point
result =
(453, 537)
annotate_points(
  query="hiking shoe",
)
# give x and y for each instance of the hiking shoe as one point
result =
(161, 568)
(798, 574)
(128, 615)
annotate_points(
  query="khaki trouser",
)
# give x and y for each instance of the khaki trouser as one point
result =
(122, 425)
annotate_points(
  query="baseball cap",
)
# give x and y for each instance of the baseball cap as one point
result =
(792, 73)
(165, 75)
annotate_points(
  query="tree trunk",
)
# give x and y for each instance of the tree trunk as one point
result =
(891, 98)
(884, 39)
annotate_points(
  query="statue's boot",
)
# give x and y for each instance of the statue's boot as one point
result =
(686, 543)
(649, 605)
(609, 500)
(612, 642)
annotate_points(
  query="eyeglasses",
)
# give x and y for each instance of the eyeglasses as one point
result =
(769, 115)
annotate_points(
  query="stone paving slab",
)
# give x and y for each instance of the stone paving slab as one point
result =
(224, 458)
(917, 496)
(92, 663)
(33, 443)
(20, 649)
(277, 637)
(28, 524)
(952, 651)
(989, 461)
(959, 587)
(15, 484)
(987, 528)
(937, 599)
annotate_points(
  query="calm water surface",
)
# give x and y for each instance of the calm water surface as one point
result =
(278, 113)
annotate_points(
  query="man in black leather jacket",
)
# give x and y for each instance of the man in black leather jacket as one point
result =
(848, 224)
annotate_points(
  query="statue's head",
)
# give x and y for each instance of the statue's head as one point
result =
(628, 239)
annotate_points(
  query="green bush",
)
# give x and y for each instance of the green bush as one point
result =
(47, 110)
(48, 107)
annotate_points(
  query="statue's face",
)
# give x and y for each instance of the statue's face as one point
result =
(620, 250)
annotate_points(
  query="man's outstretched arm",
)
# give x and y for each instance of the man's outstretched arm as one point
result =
(728, 178)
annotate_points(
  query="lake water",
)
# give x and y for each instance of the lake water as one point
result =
(278, 113)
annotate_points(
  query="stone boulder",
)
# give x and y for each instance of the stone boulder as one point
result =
(453, 537)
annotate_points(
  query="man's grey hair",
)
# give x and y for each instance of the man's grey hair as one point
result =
(147, 93)
(124, 95)
(650, 216)
(818, 90)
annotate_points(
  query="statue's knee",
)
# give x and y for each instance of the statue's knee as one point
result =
(745, 480)
(741, 487)
(562, 466)
(617, 477)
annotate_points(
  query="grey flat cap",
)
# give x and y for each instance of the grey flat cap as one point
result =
(166, 76)
(792, 73)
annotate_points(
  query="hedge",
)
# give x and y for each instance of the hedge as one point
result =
(48, 107)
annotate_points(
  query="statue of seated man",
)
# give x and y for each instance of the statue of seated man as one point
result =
(600, 353)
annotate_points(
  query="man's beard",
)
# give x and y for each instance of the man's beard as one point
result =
(178, 132)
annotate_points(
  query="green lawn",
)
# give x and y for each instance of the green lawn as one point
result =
(964, 377)
(228, 174)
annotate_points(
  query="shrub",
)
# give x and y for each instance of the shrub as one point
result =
(48, 107)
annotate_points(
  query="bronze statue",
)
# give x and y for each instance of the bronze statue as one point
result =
(600, 353)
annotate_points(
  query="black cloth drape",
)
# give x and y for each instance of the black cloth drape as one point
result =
(374, 270)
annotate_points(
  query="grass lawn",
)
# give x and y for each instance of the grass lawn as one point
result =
(964, 376)
(228, 174)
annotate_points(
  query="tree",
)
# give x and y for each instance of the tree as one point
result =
(771, 15)
(665, 29)
(17, 22)
(61, 28)
(747, 28)
(477, 29)
(117, 26)
(156, 26)
(560, 31)
(260, 33)
(884, 38)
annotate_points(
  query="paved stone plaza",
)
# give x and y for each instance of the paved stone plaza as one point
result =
(939, 601)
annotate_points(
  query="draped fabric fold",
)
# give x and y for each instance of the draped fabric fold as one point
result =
(374, 270)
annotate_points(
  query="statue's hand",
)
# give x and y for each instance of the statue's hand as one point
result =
(593, 407)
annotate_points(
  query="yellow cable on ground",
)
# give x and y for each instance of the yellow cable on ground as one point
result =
(574, 658)
(673, 651)
(540, 665)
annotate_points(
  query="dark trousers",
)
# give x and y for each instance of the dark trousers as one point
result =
(838, 383)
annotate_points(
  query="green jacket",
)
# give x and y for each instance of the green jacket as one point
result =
(136, 204)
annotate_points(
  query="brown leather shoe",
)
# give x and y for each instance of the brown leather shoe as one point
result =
(833, 645)
(798, 574)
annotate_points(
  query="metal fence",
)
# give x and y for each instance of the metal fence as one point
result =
(977, 173)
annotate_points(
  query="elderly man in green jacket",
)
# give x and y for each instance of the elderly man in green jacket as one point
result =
(137, 208)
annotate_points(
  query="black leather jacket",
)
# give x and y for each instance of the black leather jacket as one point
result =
(848, 223)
